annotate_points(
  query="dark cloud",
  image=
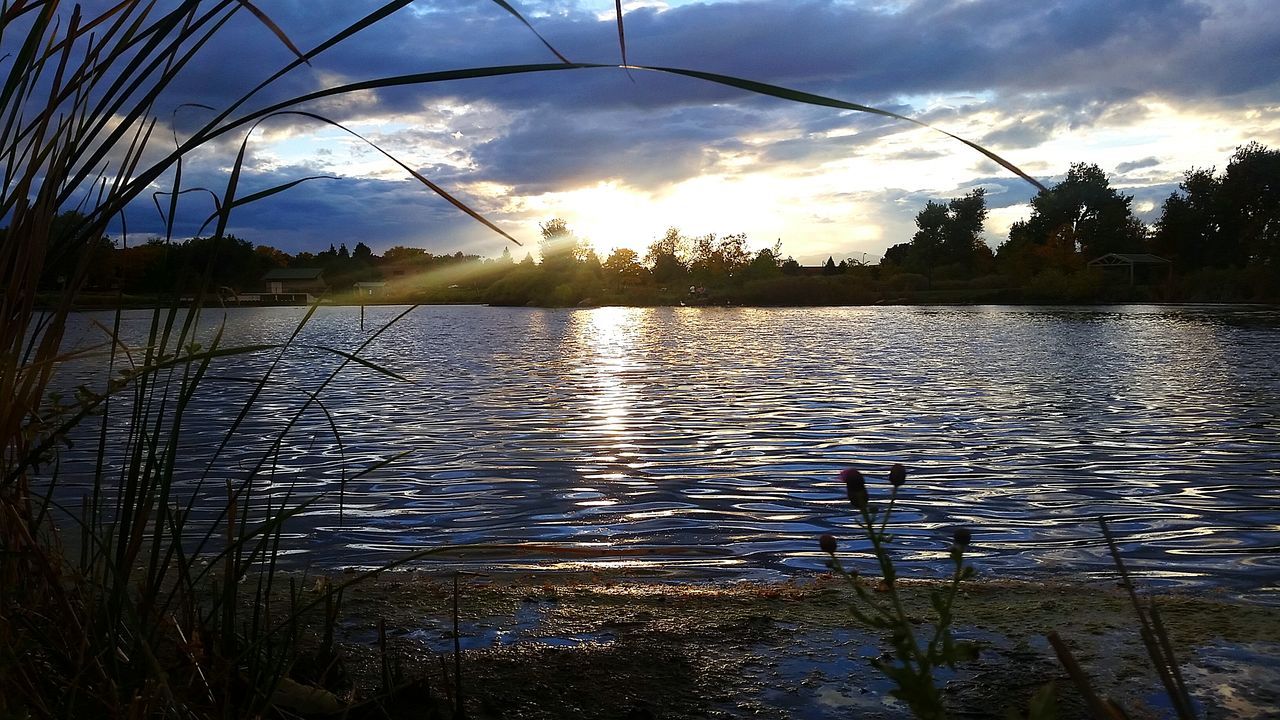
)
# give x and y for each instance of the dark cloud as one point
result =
(546, 150)
(1146, 162)
(1035, 69)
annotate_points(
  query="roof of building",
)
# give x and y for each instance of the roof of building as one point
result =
(370, 284)
(1128, 259)
(293, 274)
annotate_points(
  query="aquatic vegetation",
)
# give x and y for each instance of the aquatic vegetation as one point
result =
(913, 660)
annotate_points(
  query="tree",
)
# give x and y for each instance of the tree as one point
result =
(766, 262)
(665, 256)
(718, 258)
(1251, 205)
(926, 245)
(946, 234)
(1232, 220)
(623, 266)
(401, 255)
(1082, 215)
(269, 257)
(505, 258)
(69, 247)
(559, 247)
(1189, 229)
(962, 241)
(362, 253)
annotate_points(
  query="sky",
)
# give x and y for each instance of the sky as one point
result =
(1145, 89)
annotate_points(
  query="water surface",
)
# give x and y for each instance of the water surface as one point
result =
(707, 441)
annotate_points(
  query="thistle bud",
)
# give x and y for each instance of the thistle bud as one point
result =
(856, 486)
(962, 537)
(897, 475)
(828, 543)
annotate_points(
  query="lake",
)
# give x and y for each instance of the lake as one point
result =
(707, 442)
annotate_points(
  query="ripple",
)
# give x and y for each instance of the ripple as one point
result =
(721, 431)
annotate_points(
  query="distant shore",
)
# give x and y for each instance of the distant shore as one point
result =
(111, 301)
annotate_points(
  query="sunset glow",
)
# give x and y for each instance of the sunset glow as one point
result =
(623, 156)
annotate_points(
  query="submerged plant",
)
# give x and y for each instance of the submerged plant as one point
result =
(911, 663)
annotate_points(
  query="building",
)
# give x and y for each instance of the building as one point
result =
(370, 289)
(285, 286)
(1153, 267)
(295, 280)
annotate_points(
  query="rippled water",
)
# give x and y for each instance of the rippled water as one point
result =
(708, 440)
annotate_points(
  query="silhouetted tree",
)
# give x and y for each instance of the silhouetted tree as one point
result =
(665, 257)
(962, 242)
(1189, 230)
(1227, 221)
(559, 248)
(73, 242)
(1082, 214)
(1251, 204)
(946, 234)
(720, 258)
(767, 261)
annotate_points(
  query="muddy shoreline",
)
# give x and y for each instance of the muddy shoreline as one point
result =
(604, 645)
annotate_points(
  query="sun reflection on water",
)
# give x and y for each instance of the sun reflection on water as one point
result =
(607, 341)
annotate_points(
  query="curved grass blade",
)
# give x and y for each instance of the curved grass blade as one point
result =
(173, 204)
(252, 197)
(812, 99)
(752, 86)
(273, 27)
(377, 15)
(357, 359)
(416, 175)
(507, 6)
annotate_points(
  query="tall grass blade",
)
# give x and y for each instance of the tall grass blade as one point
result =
(751, 86)
(516, 13)
(273, 27)
(1156, 641)
(622, 34)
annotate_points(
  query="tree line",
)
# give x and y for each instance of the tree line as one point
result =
(1221, 232)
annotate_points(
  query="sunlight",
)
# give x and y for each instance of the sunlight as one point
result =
(608, 337)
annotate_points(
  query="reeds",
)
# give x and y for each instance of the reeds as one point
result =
(154, 610)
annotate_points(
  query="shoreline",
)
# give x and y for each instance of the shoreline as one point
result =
(609, 644)
(152, 304)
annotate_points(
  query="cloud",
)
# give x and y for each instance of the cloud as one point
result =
(1130, 166)
(1037, 80)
